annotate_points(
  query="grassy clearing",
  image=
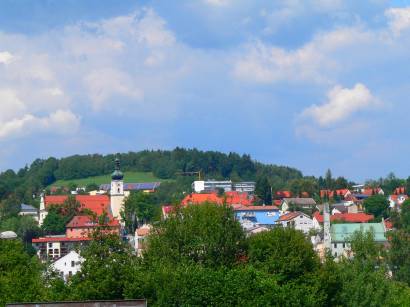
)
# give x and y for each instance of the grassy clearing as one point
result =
(129, 177)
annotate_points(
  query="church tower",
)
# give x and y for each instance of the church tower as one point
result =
(117, 190)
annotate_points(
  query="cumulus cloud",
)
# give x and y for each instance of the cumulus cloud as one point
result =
(60, 122)
(6, 57)
(399, 19)
(313, 62)
(341, 104)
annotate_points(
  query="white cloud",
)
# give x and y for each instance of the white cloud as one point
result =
(217, 2)
(313, 62)
(399, 19)
(104, 84)
(6, 57)
(60, 122)
(341, 104)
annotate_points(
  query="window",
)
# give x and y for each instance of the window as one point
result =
(344, 245)
(70, 273)
(50, 244)
(72, 264)
(56, 251)
(335, 245)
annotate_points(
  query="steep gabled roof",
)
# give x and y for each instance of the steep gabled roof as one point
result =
(84, 221)
(290, 216)
(348, 217)
(96, 203)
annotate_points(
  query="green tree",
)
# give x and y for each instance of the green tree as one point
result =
(20, 274)
(207, 234)
(139, 208)
(285, 252)
(378, 205)
(399, 255)
(263, 190)
(107, 262)
(54, 223)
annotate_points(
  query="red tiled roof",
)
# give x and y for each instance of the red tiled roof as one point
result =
(142, 232)
(84, 221)
(230, 198)
(96, 203)
(58, 239)
(329, 193)
(400, 190)
(290, 216)
(347, 217)
(371, 191)
(395, 198)
(284, 194)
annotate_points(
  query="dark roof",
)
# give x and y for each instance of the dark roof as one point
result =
(134, 186)
(301, 201)
(27, 208)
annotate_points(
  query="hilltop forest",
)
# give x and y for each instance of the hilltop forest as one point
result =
(26, 184)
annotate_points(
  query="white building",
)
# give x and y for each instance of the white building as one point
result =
(341, 235)
(29, 211)
(199, 186)
(68, 265)
(298, 220)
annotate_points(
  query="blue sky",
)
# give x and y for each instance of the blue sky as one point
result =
(312, 84)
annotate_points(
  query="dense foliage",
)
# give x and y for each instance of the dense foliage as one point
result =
(210, 262)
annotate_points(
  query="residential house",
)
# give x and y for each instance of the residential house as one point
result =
(298, 220)
(283, 194)
(288, 204)
(400, 191)
(68, 265)
(28, 210)
(341, 235)
(230, 198)
(372, 191)
(98, 204)
(55, 247)
(397, 200)
(342, 193)
(342, 217)
(265, 216)
(83, 226)
(344, 207)
(210, 186)
(141, 235)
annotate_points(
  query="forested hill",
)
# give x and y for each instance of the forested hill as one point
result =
(163, 164)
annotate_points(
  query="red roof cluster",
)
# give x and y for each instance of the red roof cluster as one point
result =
(371, 191)
(330, 193)
(347, 217)
(399, 191)
(96, 203)
(84, 221)
(230, 198)
(283, 194)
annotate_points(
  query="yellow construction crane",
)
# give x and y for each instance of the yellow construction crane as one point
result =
(190, 174)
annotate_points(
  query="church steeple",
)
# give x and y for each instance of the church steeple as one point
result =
(117, 190)
(117, 174)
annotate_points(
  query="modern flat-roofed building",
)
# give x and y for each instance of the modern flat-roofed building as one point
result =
(199, 186)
